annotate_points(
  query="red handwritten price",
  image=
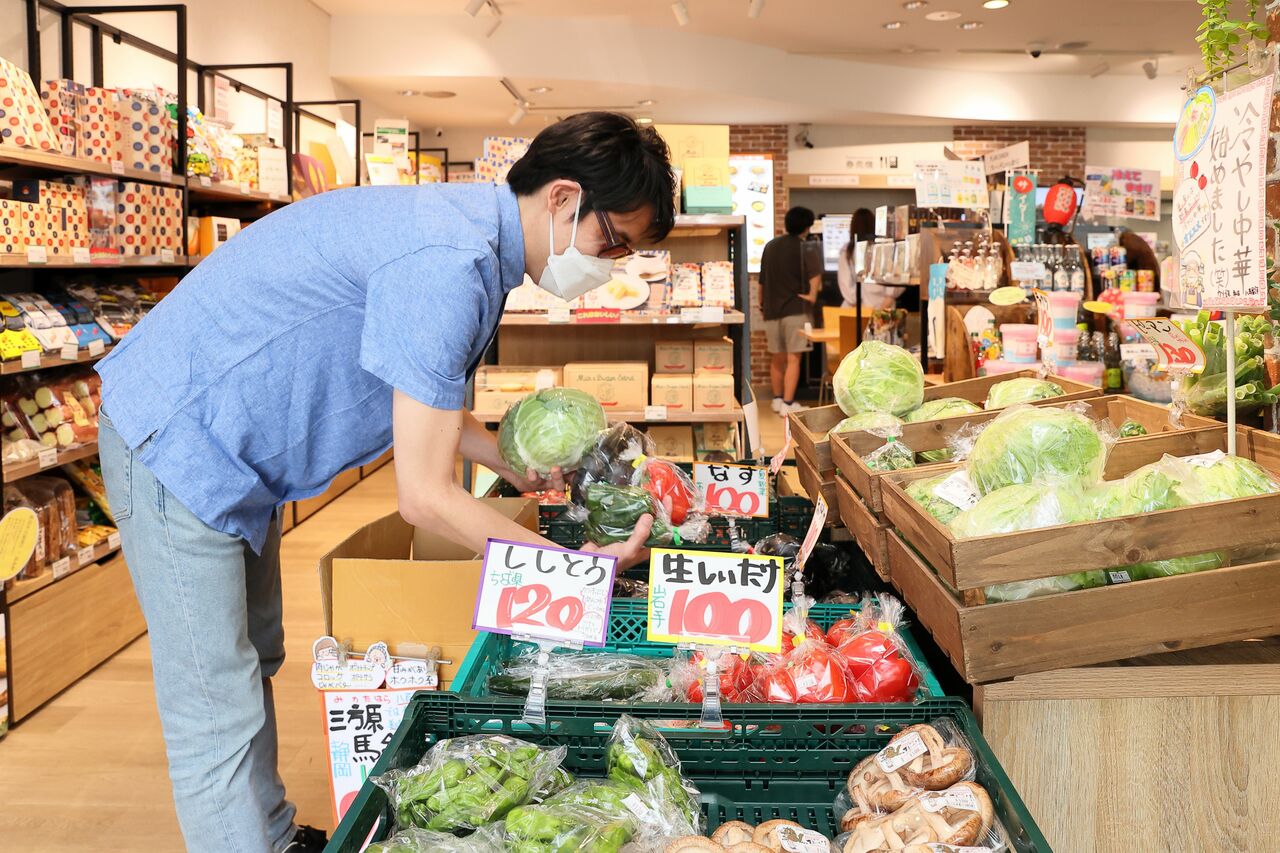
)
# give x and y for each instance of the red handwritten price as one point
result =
(716, 599)
(1044, 319)
(1175, 351)
(715, 613)
(733, 489)
(563, 614)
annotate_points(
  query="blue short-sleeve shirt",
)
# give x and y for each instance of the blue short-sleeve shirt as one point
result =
(269, 369)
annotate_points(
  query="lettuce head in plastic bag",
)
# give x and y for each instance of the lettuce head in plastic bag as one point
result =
(867, 421)
(932, 410)
(878, 377)
(551, 428)
(1232, 477)
(1021, 389)
(922, 492)
(1025, 444)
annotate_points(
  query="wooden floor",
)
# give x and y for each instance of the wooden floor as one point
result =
(87, 772)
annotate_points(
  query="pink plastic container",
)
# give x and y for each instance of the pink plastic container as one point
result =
(1137, 304)
(1063, 307)
(1001, 366)
(1065, 342)
(1088, 372)
(1019, 340)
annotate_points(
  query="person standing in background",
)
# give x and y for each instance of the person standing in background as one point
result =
(790, 276)
(873, 295)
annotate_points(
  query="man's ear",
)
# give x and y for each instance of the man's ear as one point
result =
(561, 192)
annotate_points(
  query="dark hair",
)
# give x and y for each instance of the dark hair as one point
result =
(621, 166)
(863, 225)
(797, 220)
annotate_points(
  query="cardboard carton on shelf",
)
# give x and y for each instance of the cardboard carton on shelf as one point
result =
(620, 386)
(673, 357)
(673, 442)
(713, 356)
(499, 386)
(713, 393)
(216, 230)
(673, 390)
(716, 438)
(393, 582)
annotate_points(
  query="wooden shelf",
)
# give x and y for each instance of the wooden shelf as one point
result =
(62, 262)
(709, 220)
(30, 467)
(47, 361)
(60, 164)
(20, 589)
(639, 418)
(218, 191)
(731, 317)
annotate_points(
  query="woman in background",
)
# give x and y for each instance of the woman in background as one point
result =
(873, 295)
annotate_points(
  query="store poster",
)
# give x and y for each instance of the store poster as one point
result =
(751, 177)
(1112, 192)
(358, 725)
(1016, 156)
(938, 310)
(1021, 219)
(951, 183)
(391, 139)
(836, 229)
(1219, 202)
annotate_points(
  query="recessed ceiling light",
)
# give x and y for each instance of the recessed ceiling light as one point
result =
(439, 94)
(644, 120)
(408, 93)
(893, 25)
(647, 102)
(540, 90)
(995, 4)
(970, 25)
(941, 15)
(912, 5)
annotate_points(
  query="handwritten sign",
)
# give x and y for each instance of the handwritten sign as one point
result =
(413, 673)
(1044, 320)
(733, 489)
(544, 593)
(1114, 191)
(1016, 156)
(781, 456)
(358, 726)
(951, 183)
(18, 531)
(816, 524)
(716, 599)
(347, 675)
(1175, 352)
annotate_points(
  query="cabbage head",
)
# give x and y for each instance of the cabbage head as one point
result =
(932, 410)
(878, 377)
(921, 491)
(893, 455)
(1026, 444)
(867, 421)
(1021, 590)
(1022, 389)
(550, 428)
(1233, 477)
(1022, 506)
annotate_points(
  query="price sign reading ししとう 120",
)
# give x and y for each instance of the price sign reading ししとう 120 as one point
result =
(716, 599)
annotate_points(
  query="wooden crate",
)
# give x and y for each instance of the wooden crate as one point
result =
(942, 577)
(814, 487)
(849, 448)
(867, 529)
(809, 428)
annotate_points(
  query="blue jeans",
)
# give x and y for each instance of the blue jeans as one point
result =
(213, 612)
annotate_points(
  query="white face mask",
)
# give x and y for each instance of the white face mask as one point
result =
(571, 274)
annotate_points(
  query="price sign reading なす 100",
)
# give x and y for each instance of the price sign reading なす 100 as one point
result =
(733, 489)
(716, 599)
(544, 593)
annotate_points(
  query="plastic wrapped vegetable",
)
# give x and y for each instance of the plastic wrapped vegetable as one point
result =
(1227, 477)
(466, 783)
(881, 668)
(611, 459)
(960, 817)
(932, 410)
(893, 455)
(670, 487)
(640, 758)
(813, 673)
(878, 377)
(1026, 443)
(1131, 429)
(612, 513)
(923, 492)
(551, 428)
(866, 421)
(596, 676)
(1022, 389)
(1206, 393)
(553, 827)
(414, 840)
(689, 675)
(924, 757)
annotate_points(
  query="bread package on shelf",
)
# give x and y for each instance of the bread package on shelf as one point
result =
(54, 504)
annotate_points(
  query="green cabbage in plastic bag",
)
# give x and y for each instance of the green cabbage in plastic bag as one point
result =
(550, 428)
(893, 455)
(878, 377)
(1233, 477)
(1026, 444)
(932, 410)
(1022, 389)
(867, 421)
(1132, 428)
(921, 491)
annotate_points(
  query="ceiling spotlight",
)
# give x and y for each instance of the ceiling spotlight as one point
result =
(970, 25)
(913, 5)
(473, 7)
(408, 93)
(893, 25)
(1101, 68)
(647, 102)
(681, 10)
(521, 110)
(644, 121)
(942, 15)
(995, 4)
(754, 8)
(540, 90)
(493, 26)
(1151, 68)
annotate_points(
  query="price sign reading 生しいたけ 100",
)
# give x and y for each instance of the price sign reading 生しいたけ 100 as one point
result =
(741, 490)
(716, 599)
(544, 593)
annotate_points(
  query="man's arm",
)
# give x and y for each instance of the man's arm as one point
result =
(815, 285)
(480, 445)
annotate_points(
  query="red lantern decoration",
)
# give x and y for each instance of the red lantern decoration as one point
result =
(1060, 204)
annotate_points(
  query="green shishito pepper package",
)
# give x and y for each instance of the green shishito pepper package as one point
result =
(612, 513)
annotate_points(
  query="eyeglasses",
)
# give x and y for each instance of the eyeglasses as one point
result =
(614, 246)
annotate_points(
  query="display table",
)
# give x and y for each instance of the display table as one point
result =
(1173, 752)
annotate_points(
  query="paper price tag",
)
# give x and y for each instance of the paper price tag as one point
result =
(19, 531)
(62, 568)
(117, 167)
(97, 348)
(48, 457)
(166, 174)
(418, 674)
(113, 541)
(1205, 460)
(954, 798)
(85, 556)
(348, 675)
(781, 456)
(1044, 320)
(1027, 271)
(544, 593)
(938, 847)
(958, 490)
(1175, 351)
(811, 536)
(1137, 352)
(544, 379)
(799, 840)
(244, 187)
(1118, 577)
(37, 255)
(80, 255)
(901, 752)
(637, 807)
(205, 182)
(712, 314)
(167, 256)
(716, 599)
(558, 315)
(741, 490)
(70, 352)
(655, 413)
(30, 359)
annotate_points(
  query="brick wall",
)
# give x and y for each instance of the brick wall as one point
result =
(763, 139)
(1055, 151)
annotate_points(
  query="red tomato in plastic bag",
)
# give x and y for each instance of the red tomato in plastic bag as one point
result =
(735, 674)
(842, 630)
(816, 674)
(863, 650)
(664, 482)
(890, 679)
(812, 631)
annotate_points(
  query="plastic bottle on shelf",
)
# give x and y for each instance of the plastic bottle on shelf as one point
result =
(1075, 270)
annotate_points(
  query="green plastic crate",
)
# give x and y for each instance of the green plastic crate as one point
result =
(772, 764)
(628, 626)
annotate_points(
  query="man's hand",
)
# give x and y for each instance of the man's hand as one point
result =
(632, 551)
(532, 481)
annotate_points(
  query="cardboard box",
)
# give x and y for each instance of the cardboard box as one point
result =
(620, 386)
(713, 392)
(498, 387)
(716, 438)
(392, 582)
(673, 357)
(673, 390)
(713, 356)
(673, 442)
(216, 230)
(708, 200)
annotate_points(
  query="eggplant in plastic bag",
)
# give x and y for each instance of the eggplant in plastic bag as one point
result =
(612, 459)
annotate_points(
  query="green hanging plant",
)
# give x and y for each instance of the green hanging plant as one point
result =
(1219, 36)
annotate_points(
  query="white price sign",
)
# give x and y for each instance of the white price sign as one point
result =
(48, 457)
(741, 490)
(544, 593)
(716, 599)
(1175, 351)
(61, 568)
(167, 256)
(655, 413)
(30, 359)
(412, 673)
(1137, 352)
(113, 541)
(559, 314)
(80, 255)
(70, 352)
(795, 839)
(117, 167)
(97, 348)
(37, 255)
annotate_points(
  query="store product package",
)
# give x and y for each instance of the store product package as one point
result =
(716, 438)
(392, 582)
(673, 357)
(673, 442)
(717, 283)
(673, 390)
(12, 238)
(145, 130)
(216, 230)
(96, 123)
(620, 386)
(61, 99)
(23, 121)
(714, 356)
(100, 202)
(713, 392)
(135, 230)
